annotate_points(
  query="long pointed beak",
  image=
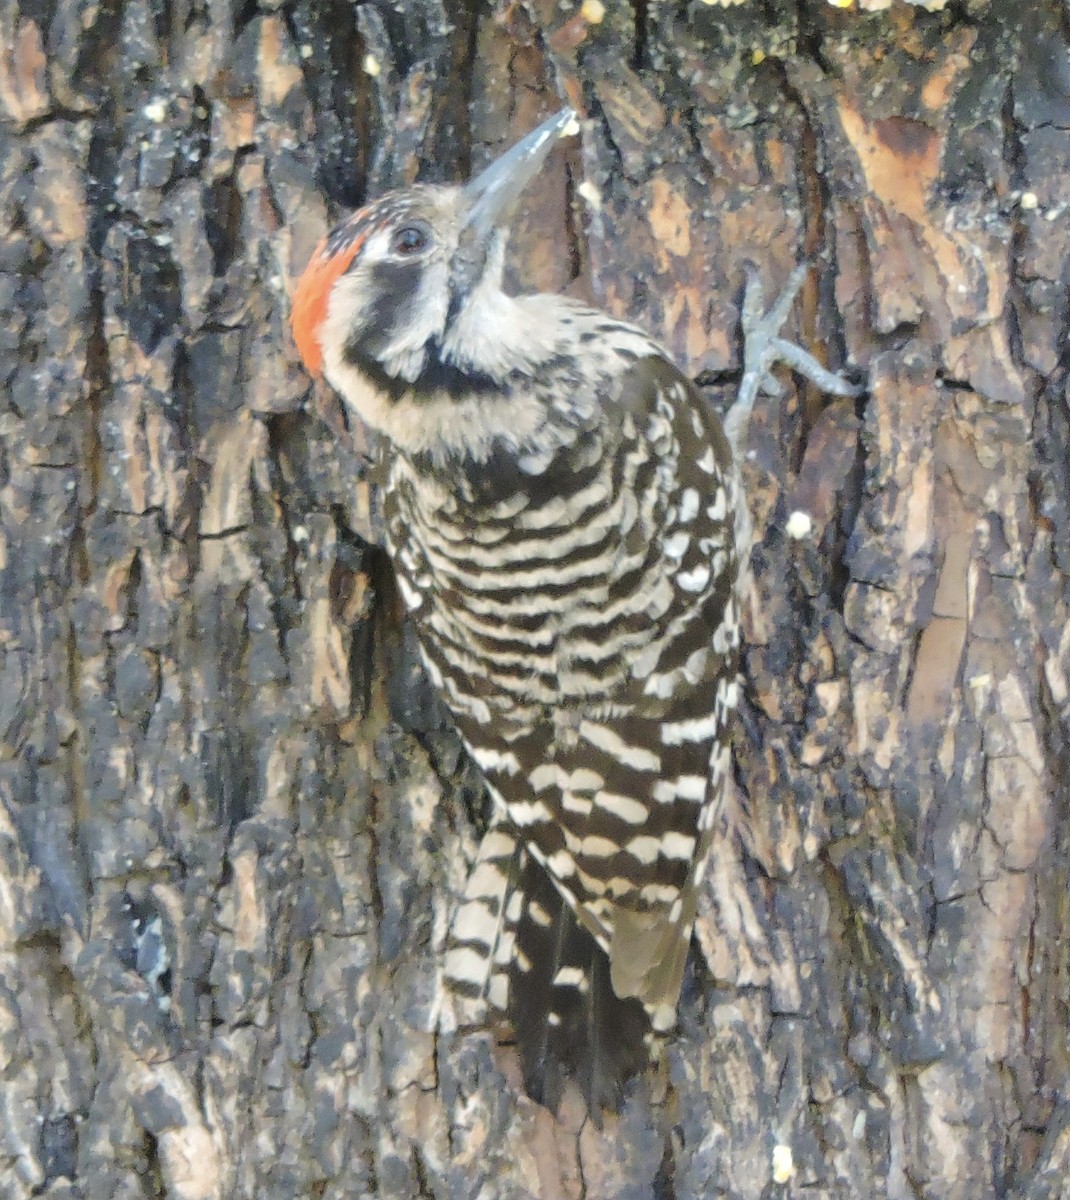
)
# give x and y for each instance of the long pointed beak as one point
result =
(491, 193)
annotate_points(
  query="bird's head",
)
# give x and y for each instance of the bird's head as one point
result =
(398, 291)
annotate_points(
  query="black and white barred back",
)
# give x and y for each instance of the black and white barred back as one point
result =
(567, 526)
(577, 608)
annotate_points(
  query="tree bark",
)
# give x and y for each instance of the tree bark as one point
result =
(233, 817)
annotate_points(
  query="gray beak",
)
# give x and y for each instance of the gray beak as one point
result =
(491, 193)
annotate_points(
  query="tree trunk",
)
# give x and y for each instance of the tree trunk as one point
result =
(233, 817)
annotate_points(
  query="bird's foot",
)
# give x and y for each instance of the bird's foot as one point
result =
(764, 348)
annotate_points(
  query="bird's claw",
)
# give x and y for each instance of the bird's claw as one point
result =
(763, 349)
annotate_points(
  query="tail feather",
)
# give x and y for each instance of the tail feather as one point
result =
(568, 1021)
(483, 933)
(517, 947)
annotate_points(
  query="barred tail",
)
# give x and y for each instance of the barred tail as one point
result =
(517, 948)
(479, 953)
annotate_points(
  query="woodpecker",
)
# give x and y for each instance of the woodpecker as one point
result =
(566, 522)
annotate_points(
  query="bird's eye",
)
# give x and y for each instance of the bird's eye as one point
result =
(409, 239)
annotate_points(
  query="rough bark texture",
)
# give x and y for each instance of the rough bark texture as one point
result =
(232, 816)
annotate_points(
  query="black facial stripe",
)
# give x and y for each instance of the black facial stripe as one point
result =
(442, 375)
(395, 286)
(356, 355)
(466, 269)
(438, 378)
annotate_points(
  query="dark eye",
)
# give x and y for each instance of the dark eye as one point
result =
(410, 239)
